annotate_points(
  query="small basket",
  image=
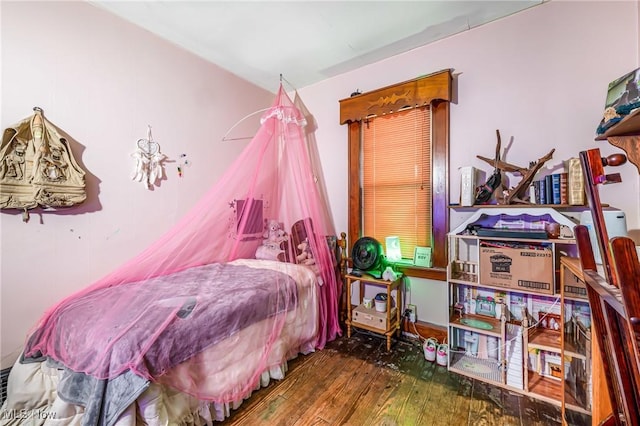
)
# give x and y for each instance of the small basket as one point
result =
(430, 346)
(442, 355)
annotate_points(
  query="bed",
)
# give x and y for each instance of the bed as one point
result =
(178, 349)
(45, 392)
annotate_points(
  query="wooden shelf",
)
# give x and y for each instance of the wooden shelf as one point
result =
(549, 390)
(466, 321)
(572, 351)
(630, 125)
(547, 340)
(518, 206)
(626, 135)
(545, 388)
(463, 279)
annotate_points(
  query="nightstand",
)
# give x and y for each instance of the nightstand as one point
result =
(384, 323)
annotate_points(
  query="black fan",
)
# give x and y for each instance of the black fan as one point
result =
(367, 255)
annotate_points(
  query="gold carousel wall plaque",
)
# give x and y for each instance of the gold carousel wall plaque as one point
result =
(37, 167)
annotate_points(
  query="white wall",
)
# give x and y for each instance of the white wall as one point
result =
(540, 76)
(102, 80)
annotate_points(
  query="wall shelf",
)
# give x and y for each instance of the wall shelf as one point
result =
(626, 135)
(565, 207)
(630, 125)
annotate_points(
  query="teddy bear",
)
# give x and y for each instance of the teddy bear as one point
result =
(305, 257)
(273, 233)
(273, 236)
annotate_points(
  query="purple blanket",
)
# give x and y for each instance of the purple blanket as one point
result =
(149, 327)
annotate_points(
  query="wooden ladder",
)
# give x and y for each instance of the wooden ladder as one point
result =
(614, 296)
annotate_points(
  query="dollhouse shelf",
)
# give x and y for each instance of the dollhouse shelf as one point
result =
(550, 340)
(547, 340)
(545, 388)
(466, 322)
(549, 390)
(469, 366)
(541, 351)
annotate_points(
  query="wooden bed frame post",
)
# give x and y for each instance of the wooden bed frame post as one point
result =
(614, 298)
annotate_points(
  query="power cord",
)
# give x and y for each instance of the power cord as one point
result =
(421, 338)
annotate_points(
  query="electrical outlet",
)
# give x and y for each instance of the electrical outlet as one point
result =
(412, 312)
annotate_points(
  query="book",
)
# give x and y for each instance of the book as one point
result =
(564, 178)
(555, 188)
(422, 256)
(533, 197)
(575, 183)
(542, 191)
(536, 188)
(548, 185)
(467, 186)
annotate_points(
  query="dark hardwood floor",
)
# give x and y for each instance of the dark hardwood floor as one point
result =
(357, 382)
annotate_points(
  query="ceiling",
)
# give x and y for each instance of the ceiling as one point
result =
(305, 41)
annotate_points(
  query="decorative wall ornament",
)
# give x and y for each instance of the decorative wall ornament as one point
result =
(149, 159)
(37, 167)
(514, 195)
(182, 164)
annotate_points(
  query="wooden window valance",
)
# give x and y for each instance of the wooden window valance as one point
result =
(420, 91)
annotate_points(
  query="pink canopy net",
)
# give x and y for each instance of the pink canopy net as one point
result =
(161, 316)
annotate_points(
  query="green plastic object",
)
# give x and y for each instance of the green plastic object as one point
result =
(476, 323)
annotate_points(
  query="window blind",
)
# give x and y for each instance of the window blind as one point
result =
(396, 178)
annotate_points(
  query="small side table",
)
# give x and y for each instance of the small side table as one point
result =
(393, 313)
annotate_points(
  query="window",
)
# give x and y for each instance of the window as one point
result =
(411, 111)
(396, 178)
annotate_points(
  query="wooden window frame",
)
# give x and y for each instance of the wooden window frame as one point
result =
(435, 90)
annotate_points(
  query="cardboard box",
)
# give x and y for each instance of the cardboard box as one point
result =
(371, 318)
(524, 270)
(572, 278)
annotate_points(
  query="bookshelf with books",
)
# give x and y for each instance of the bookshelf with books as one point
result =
(553, 189)
(561, 188)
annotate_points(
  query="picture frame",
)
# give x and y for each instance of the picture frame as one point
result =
(623, 97)
(422, 256)
(624, 90)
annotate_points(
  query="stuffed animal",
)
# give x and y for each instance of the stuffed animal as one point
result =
(273, 236)
(305, 257)
(389, 274)
(273, 233)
